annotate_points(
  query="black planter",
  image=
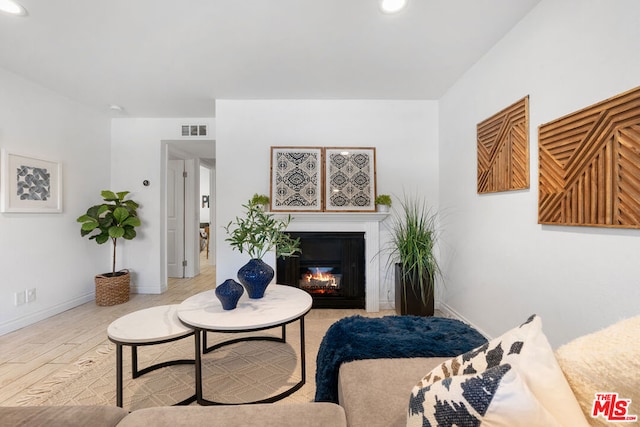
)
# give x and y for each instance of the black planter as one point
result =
(255, 276)
(408, 299)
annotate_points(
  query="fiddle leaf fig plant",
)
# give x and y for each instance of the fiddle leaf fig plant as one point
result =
(113, 219)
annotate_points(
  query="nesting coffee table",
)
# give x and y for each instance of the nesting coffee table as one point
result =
(280, 306)
(151, 326)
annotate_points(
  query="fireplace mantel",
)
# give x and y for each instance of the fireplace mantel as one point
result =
(367, 222)
(334, 216)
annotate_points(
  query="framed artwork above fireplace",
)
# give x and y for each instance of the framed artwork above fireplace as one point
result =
(296, 179)
(350, 175)
(323, 179)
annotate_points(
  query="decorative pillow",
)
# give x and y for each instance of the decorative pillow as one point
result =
(495, 397)
(606, 361)
(527, 350)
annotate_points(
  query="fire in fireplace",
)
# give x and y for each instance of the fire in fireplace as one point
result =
(320, 280)
(331, 268)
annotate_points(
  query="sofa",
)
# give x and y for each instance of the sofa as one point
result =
(265, 415)
(383, 392)
(377, 392)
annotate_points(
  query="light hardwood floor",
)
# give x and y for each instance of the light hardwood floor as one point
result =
(39, 351)
(36, 352)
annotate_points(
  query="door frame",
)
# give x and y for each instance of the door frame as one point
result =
(171, 148)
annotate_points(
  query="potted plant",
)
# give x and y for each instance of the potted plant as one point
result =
(414, 238)
(257, 233)
(261, 200)
(113, 219)
(383, 202)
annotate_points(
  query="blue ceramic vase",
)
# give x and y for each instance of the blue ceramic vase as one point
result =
(229, 293)
(255, 276)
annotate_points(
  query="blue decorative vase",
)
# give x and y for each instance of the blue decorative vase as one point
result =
(255, 276)
(229, 293)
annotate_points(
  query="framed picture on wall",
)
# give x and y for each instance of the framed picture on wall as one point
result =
(350, 175)
(30, 185)
(296, 179)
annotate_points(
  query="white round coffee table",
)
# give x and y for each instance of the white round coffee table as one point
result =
(150, 326)
(280, 306)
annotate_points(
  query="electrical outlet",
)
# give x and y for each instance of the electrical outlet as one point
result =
(31, 294)
(19, 298)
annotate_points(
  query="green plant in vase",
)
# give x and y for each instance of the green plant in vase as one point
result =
(261, 200)
(257, 233)
(383, 202)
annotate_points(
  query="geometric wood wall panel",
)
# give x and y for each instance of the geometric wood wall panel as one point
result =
(589, 165)
(503, 149)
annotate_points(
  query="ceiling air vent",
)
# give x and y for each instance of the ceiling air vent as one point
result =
(194, 130)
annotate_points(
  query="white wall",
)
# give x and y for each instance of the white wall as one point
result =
(136, 155)
(501, 265)
(405, 134)
(46, 251)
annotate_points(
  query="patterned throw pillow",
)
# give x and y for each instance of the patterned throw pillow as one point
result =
(495, 397)
(527, 350)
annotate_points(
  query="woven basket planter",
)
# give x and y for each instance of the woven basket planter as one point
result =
(112, 290)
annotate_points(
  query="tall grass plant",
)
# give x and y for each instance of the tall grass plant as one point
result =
(414, 230)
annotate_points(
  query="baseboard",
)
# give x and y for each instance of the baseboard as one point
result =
(386, 305)
(37, 316)
(154, 290)
(453, 313)
(148, 289)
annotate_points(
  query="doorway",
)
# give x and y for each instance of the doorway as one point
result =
(182, 164)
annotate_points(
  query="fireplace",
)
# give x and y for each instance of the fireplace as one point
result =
(331, 268)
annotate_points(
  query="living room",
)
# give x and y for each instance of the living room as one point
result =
(500, 265)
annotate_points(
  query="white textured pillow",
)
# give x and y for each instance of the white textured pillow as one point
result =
(527, 350)
(604, 361)
(495, 397)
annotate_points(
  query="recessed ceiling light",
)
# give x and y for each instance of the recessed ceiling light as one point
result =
(116, 108)
(392, 6)
(12, 8)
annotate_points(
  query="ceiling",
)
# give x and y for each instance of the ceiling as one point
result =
(160, 58)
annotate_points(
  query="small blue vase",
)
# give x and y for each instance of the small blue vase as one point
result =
(255, 276)
(229, 293)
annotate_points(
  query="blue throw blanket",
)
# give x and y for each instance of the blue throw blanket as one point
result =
(358, 337)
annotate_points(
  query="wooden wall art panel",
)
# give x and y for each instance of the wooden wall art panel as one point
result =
(503, 150)
(589, 165)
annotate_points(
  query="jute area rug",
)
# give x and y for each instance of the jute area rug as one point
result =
(241, 372)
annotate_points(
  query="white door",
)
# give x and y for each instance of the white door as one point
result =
(175, 218)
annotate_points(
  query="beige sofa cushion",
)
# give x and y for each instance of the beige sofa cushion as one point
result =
(375, 392)
(68, 416)
(264, 415)
(604, 361)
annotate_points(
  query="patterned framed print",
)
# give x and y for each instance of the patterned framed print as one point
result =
(350, 175)
(296, 179)
(30, 185)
